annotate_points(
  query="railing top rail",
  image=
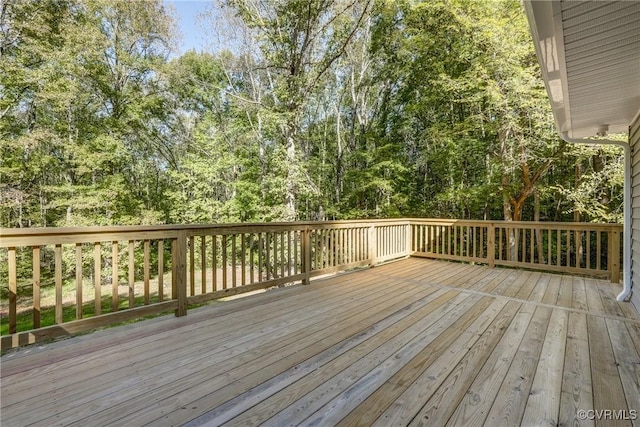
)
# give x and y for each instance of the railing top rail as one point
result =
(65, 235)
(121, 228)
(60, 235)
(523, 224)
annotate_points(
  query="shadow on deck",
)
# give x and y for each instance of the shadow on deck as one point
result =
(411, 342)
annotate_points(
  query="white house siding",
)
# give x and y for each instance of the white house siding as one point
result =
(634, 140)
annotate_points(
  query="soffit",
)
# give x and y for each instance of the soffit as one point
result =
(589, 52)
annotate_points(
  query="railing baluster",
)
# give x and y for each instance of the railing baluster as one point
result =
(306, 255)
(474, 233)
(174, 270)
(214, 263)
(203, 263)
(180, 279)
(332, 252)
(558, 247)
(549, 246)
(97, 278)
(289, 253)
(13, 290)
(114, 276)
(598, 250)
(224, 261)
(251, 259)
(268, 254)
(568, 247)
(588, 254)
(282, 261)
(491, 245)
(531, 246)
(296, 259)
(78, 280)
(131, 274)
(58, 282)
(455, 240)
(468, 241)
(146, 273)
(192, 266)
(243, 260)
(260, 249)
(234, 264)
(36, 287)
(160, 270)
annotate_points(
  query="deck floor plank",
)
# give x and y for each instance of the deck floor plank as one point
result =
(634, 333)
(443, 346)
(576, 382)
(511, 289)
(611, 306)
(511, 401)
(540, 288)
(608, 393)
(551, 294)
(248, 408)
(527, 288)
(543, 404)
(127, 356)
(628, 362)
(478, 399)
(289, 387)
(579, 294)
(370, 367)
(241, 346)
(341, 405)
(149, 346)
(449, 378)
(213, 372)
(594, 300)
(565, 292)
(413, 341)
(269, 300)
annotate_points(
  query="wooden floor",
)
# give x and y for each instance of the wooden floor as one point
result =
(415, 342)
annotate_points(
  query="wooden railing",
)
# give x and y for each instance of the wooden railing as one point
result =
(61, 281)
(580, 248)
(96, 276)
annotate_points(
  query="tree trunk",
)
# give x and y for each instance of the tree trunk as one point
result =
(512, 246)
(290, 213)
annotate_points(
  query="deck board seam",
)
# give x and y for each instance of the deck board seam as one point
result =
(536, 303)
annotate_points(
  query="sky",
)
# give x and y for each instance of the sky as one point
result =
(186, 12)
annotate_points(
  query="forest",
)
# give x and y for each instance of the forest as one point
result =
(299, 110)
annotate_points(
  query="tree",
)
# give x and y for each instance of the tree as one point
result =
(299, 42)
(83, 97)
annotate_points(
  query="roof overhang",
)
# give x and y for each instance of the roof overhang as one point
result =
(589, 53)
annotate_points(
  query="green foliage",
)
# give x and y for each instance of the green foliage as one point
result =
(316, 110)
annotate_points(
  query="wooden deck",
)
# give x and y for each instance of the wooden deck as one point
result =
(415, 342)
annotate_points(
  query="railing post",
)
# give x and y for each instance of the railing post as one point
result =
(306, 255)
(372, 247)
(408, 243)
(179, 272)
(614, 256)
(491, 244)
